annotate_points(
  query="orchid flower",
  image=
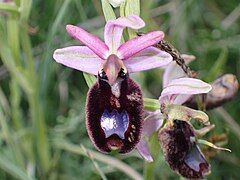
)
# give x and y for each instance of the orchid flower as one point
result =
(180, 149)
(137, 54)
(177, 137)
(114, 108)
(174, 94)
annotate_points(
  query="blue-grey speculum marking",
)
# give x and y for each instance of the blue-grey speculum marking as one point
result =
(114, 123)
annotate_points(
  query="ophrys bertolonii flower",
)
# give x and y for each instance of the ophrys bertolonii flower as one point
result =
(114, 110)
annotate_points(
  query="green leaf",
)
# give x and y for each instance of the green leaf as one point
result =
(218, 66)
(106, 159)
(45, 67)
(25, 8)
(90, 79)
(132, 7)
(11, 8)
(122, 9)
(108, 10)
(151, 104)
(8, 61)
(12, 169)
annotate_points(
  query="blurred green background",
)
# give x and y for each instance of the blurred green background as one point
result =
(42, 118)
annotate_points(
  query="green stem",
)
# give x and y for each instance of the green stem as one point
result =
(115, 163)
(39, 127)
(9, 140)
(151, 104)
(155, 149)
(13, 41)
(8, 7)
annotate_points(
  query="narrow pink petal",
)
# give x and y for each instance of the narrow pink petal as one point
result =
(174, 71)
(148, 58)
(78, 57)
(144, 151)
(90, 40)
(186, 86)
(152, 123)
(138, 44)
(114, 28)
(181, 98)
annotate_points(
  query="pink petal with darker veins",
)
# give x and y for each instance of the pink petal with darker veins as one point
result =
(186, 86)
(148, 58)
(135, 45)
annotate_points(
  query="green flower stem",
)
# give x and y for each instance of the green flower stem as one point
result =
(39, 127)
(155, 149)
(15, 99)
(10, 141)
(45, 69)
(151, 104)
(12, 8)
(108, 10)
(13, 41)
(113, 162)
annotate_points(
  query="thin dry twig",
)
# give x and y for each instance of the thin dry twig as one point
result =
(100, 157)
(231, 18)
(233, 125)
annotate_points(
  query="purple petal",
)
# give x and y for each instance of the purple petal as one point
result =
(186, 86)
(143, 150)
(196, 161)
(148, 58)
(114, 28)
(138, 44)
(78, 57)
(152, 123)
(90, 40)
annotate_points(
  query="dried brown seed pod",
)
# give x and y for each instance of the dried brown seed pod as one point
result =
(224, 89)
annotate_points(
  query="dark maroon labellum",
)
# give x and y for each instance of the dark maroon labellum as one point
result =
(181, 151)
(114, 122)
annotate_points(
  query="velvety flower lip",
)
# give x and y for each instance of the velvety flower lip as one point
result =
(181, 151)
(136, 53)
